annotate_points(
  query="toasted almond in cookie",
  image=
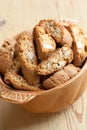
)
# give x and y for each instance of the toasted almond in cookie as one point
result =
(57, 31)
(61, 76)
(7, 54)
(79, 44)
(44, 42)
(56, 61)
(28, 59)
(18, 82)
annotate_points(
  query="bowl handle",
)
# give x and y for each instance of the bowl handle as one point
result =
(15, 96)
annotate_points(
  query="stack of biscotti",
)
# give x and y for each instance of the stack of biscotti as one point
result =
(46, 57)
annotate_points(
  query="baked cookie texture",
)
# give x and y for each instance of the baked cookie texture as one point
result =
(7, 54)
(16, 67)
(12, 77)
(79, 45)
(52, 54)
(45, 44)
(28, 59)
(19, 82)
(56, 61)
(57, 31)
(71, 70)
(61, 76)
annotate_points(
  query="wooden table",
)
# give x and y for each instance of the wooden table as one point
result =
(19, 15)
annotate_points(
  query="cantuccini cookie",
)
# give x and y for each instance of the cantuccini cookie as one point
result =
(79, 44)
(7, 54)
(71, 70)
(61, 76)
(57, 31)
(28, 59)
(12, 77)
(56, 79)
(44, 42)
(56, 61)
(19, 82)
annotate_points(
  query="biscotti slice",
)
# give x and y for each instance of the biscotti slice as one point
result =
(44, 42)
(56, 61)
(61, 76)
(7, 54)
(28, 59)
(79, 44)
(56, 79)
(71, 70)
(57, 31)
(18, 82)
(12, 77)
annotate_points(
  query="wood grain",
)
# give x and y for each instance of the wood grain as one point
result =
(16, 16)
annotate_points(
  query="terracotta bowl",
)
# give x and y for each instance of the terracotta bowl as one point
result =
(47, 101)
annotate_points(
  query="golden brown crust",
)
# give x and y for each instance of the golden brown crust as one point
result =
(9, 44)
(79, 44)
(16, 67)
(56, 79)
(28, 59)
(61, 76)
(7, 54)
(18, 82)
(44, 42)
(56, 61)
(12, 77)
(57, 31)
(71, 70)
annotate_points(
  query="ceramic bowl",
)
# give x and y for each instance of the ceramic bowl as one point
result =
(47, 101)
